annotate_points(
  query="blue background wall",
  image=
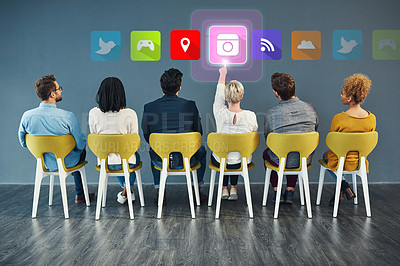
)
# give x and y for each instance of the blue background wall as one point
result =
(42, 37)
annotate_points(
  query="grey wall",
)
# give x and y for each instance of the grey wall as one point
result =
(42, 37)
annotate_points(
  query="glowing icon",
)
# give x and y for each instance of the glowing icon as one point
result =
(227, 44)
(267, 45)
(185, 42)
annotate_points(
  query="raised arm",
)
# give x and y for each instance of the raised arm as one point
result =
(219, 100)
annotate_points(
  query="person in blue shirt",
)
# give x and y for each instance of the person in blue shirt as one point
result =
(48, 120)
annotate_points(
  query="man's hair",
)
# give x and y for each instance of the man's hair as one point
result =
(357, 86)
(111, 95)
(234, 91)
(283, 84)
(44, 86)
(171, 81)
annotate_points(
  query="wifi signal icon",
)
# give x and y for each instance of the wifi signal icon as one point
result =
(267, 45)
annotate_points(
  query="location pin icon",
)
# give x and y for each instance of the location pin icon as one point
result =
(185, 42)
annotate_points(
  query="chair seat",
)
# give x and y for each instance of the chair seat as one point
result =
(213, 167)
(197, 166)
(276, 168)
(72, 169)
(130, 170)
(324, 164)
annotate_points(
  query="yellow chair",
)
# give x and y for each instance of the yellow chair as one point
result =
(222, 144)
(341, 143)
(125, 145)
(60, 146)
(281, 145)
(185, 143)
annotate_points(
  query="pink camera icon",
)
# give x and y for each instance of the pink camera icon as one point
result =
(227, 45)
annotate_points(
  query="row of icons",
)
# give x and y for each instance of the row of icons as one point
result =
(229, 45)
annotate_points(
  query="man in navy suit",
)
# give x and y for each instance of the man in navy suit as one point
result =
(172, 114)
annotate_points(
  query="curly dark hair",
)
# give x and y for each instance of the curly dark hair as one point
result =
(284, 85)
(171, 81)
(44, 86)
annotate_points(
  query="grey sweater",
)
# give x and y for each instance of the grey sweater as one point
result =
(291, 116)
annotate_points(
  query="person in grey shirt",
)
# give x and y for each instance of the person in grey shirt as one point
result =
(291, 115)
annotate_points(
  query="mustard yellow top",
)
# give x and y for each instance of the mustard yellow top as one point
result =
(344, 122)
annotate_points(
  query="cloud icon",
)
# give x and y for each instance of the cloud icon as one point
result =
(306, 45)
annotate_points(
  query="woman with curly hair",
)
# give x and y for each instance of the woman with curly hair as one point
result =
(355, 119)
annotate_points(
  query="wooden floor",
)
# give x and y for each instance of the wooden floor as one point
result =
(176, 239)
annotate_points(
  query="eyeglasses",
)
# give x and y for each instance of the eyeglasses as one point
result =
(59, 89)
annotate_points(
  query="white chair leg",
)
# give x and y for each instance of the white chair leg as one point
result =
(306, 186)
(320, 184)
(247, 187)
(211, 190)
(279, 188)
(140, 187)
(219, 193)
(104, 198)
(189, 187)
(128, 188)
(36, 192)
(100, 190)
(266, 186)
(339, 174)
(64, 194)
(163, 179)
(301, 189)
(355, 200)
(364, 180)
(51, 189)
(84, 184)
(196, 187)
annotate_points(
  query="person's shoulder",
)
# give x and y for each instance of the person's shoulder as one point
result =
(129, 112)
(95, 110)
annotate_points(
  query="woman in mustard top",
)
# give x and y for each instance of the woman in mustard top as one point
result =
(355, 119)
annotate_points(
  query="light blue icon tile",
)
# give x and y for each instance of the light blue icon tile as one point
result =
(105, 45)
(347, 45)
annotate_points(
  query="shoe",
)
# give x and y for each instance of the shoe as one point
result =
(288, 196)
(234, 195)
(81, 198)
(332, 201)
(156, 198)
(122, 199)
(225, 193)
(346, 189)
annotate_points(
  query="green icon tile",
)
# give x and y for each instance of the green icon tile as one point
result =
(386, 44)
(145, 45)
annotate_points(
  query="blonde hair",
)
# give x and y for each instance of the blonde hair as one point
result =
(234, 91)
(357, 86)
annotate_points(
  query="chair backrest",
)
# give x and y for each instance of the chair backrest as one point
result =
(343, 142)
(303, 143)
(60, 146)
(223, 143)
(185, 143)
(125, 145)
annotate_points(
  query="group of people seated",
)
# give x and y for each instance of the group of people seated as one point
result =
(173, 114)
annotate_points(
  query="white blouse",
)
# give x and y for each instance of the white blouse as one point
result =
(246, 121)
(109, 123)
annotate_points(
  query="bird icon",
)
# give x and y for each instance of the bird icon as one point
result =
(347, 47)
(105, 47)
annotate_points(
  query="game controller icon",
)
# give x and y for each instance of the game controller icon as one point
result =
(145, 43)
(387, 42)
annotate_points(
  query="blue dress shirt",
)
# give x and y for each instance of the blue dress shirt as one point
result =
(48, 120)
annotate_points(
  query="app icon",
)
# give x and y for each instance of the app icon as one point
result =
(185, 44)
(227, 44)
(347, 44)
(105, 45)
(145, 45)
(306, 45)
(385, 44)
(266, 44)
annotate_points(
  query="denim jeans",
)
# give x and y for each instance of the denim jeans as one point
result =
(329, 170)
(132, 176)
(199, 156)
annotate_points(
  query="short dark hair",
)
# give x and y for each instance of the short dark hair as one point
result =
(284, 85)
(44, 86)
(171, 81)
(111, 95)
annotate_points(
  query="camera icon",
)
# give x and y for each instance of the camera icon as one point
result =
(227, 44)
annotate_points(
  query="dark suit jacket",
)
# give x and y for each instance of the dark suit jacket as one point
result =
(170, 114)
